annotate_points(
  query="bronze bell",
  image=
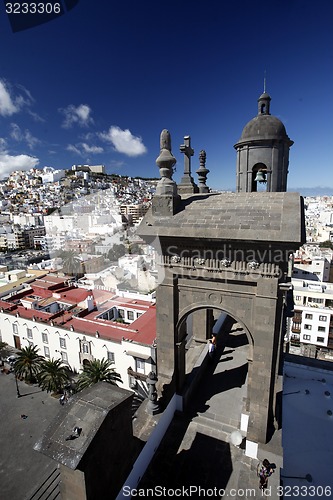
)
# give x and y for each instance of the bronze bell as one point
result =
(260, 177)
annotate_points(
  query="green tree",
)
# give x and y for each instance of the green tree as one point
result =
(116, 252)
(53, 375)
(5, 351)
(326, 244)
(71, 262)
(95, 371)
(135, 248)
(28, 363)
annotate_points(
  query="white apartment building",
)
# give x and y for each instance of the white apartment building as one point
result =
(311, 268)
(79, 325)
(312, 323)
(51, 175)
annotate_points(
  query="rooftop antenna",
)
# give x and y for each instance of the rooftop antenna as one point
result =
(264, 81)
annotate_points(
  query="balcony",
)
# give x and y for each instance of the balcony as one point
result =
(136, 375)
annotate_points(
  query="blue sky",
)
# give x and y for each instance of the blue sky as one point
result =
(97, 85)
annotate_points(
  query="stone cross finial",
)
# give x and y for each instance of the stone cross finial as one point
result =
(188, 152)
(202, 173)
(187, 184)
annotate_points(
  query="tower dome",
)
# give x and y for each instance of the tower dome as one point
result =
(263, 147)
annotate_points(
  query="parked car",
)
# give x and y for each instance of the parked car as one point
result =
(11, 359)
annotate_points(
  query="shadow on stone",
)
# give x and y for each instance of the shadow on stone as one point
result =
(236, 340)
(171, 468)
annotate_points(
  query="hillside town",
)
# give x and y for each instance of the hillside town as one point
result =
(73, 233)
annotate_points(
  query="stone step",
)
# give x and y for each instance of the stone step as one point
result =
(48, 489)
(213, 422)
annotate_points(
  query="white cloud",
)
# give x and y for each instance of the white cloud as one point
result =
(36, 117)
(92, 149)
(83, 148)
(3, 144)
(79, 115)
(9, 163)
(26, 136)
(124, 142)
(30, 139)
(74, 149)
(16, 132)
(11, 104)
(7, 105)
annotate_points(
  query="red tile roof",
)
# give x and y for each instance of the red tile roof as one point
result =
(142, 330)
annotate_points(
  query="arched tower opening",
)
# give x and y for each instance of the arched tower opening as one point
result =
(217, 358)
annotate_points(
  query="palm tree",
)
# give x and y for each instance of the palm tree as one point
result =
(28, 363)
(97, 371)
(53, 375)
(71, 262)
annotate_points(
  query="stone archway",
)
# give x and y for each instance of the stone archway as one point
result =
(231, 364)
(255, 301)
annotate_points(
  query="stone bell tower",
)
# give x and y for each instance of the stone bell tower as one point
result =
(263, 152)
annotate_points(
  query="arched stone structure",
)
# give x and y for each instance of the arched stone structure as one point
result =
(230, 251)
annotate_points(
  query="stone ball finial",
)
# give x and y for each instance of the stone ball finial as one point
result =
(202, 173)
(165, 160)
(165, 140)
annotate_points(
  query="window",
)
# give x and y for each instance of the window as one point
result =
(15, 328)
(130, 315)
(111, 356)
(121, 313)
(139, 365)
(306, 337)
(138, 315)
(64, 357)
(308, 316)
(45, 338)
(320, 339)
(322, 318)
(29, 333)
(315, 301)
(62, 343)
(46, 352)
(321, 329)
(307, 327)
(298, 297)
(132, 382)
(85, 348)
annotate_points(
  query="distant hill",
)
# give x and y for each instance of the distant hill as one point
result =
(315, 191)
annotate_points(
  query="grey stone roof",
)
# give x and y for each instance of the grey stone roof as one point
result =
(263, 127)
(86, 410)
(260, 216)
